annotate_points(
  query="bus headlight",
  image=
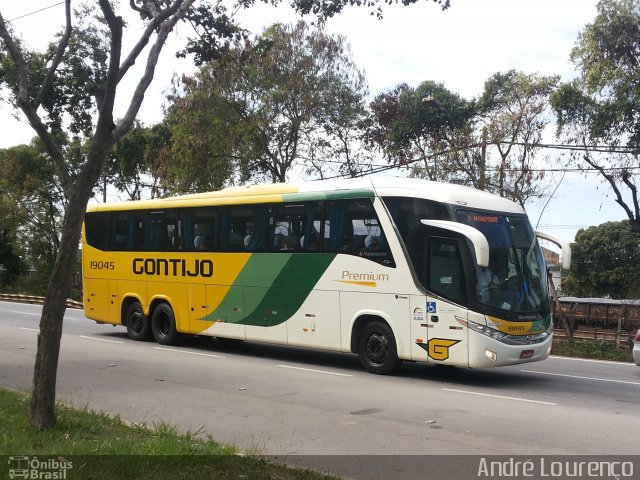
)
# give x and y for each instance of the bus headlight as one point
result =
(483, 329)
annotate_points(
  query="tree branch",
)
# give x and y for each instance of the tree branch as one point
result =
(144, 38)
(105, 105)
(612, 181)
(31, 111)
(62, 46)
(138, 95)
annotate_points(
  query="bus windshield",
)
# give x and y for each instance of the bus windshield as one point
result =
(515, 280)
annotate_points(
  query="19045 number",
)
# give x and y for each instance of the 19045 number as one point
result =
(99, 265)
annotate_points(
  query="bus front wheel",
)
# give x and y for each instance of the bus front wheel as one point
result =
(137, 322)
(377, 349)
(163, 325)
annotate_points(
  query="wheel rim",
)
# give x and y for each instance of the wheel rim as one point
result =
(164, 325)
(377, 348)
(136, 321)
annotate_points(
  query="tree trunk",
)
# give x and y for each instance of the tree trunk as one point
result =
(41, 409)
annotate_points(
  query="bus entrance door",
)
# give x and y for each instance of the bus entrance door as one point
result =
(447, 337)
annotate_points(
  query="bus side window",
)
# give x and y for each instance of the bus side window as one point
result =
(158, 230)
(243, 228)
(294, 227)
(200, 226)
(354, 229)
(445, 270)
(96, 229)
(122, 231)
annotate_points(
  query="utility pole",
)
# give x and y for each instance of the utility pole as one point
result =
(482, 182)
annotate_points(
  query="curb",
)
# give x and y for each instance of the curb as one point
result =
(10, 297)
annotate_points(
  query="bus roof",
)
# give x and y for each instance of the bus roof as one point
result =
(328, 189)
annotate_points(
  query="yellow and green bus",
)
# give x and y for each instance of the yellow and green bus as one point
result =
(390, 269)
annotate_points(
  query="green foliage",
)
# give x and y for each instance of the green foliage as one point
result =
(406, 128)
(488, 143)
(265, 106)
(605, 263)
(137, 160)
(514, 107)
(607, 54)
(101, 446)
(30, 209)
(216, 29)
(603, 104)
(592, 349)
(69, 100)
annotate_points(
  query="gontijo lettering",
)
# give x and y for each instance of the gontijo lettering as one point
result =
(173, 267)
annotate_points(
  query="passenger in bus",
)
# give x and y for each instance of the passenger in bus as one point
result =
(488, 282)
(312, 245)
(200, 242)
(283, 243)
(372, 243)
(351, 243)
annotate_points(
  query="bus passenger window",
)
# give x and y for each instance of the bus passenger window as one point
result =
(294, 227)
(96, 229)
(158, 231)
(122, 231)
(355, 230)
(200, 226)
(243, 228)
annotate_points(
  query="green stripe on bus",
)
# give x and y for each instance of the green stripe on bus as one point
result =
(337, 195)
(288, 292)
(271, 288)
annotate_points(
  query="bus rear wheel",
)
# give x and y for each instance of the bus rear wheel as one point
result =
(377, 349)
(137, 322)
(163, 325)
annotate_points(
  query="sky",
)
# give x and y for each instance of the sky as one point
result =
(460, 47)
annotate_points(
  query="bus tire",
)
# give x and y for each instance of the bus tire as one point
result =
(163, 325)
(137, 323)
(377, 349)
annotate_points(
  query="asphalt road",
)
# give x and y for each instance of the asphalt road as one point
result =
(292, 402)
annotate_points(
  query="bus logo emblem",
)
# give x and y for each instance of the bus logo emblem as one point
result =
(438, 348)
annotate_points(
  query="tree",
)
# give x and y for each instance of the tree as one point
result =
(422, 126)
(514, 108)
(135, 164)
(605, 262)
(72, 88)
(292, 94)
(31, 208)
(62, 84)
(445, 137)
(603, 104)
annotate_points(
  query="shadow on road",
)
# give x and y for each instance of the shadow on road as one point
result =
(497, 378)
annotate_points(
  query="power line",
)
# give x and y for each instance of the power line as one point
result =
(379, 168)
(36, 11)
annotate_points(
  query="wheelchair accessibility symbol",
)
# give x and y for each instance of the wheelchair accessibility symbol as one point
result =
(431, 307)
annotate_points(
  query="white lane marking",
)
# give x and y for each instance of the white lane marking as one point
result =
(29, 329)
(188, 352)
(498, 396)
(100, 339)
(315, 371)
(592, 360)
(25, 313)
(581, 378)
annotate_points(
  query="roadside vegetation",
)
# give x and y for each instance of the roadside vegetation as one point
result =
(592, 349)
(100, 446)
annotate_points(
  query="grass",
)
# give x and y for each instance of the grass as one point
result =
(105, 447)
(593, 349)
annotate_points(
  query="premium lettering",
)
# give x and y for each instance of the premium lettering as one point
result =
(354, 276)
(173, 267)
